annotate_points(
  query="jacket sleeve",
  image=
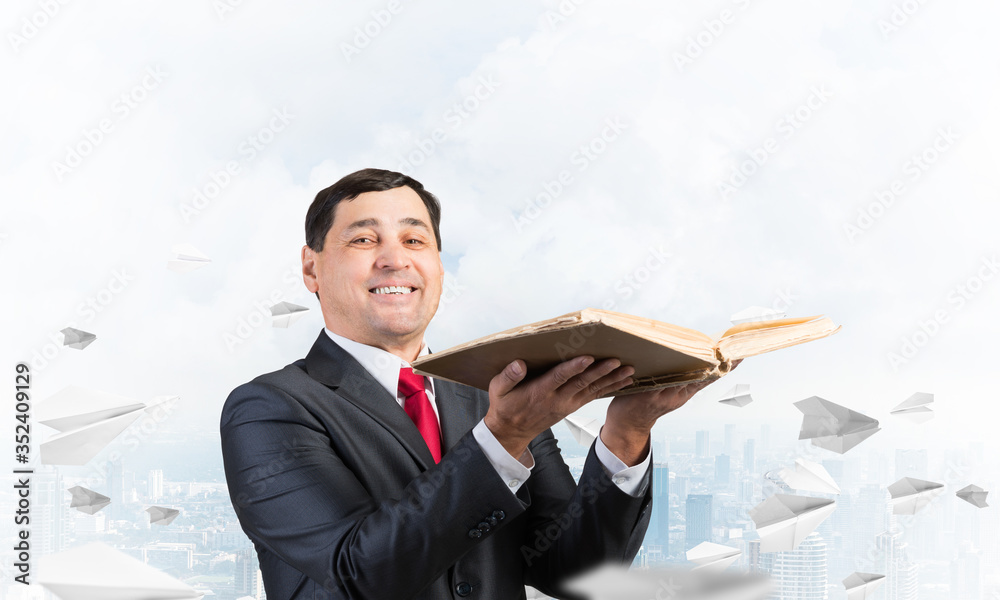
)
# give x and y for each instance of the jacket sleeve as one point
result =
(295, 497)
(573, 528)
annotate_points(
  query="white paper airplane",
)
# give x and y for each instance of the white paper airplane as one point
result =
(973, 494)
(187, 258)
(77, 338)
(616, 582)
(87, 501)
(909, 495)
(161, 515)
(832, 426)
(861, 586)
(808, 476)
(285, 313)
(87, 420)
(784, 520)
(755, 314)
(583, 429)
(738, 396)
(98, 572)
(916, 408)
(712, 557)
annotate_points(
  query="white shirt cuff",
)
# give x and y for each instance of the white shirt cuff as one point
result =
(631, 480)
(512, 471)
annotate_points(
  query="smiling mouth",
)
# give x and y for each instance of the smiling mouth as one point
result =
(393, 289)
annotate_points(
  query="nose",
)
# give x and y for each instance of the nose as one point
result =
(392, 255)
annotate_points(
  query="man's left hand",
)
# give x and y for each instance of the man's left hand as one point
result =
(631, 417)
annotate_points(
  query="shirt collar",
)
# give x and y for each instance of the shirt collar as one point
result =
(383, 366)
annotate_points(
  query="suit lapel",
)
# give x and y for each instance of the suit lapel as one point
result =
(334, 367)
(457, 410)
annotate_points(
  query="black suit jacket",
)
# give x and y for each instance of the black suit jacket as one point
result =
(333, 484)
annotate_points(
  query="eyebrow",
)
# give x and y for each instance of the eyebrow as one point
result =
(373, 222)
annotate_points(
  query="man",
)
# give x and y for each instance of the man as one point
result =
(357, 479)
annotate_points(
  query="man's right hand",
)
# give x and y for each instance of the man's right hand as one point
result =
(519, 413)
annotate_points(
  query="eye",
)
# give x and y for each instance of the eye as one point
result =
(362, 239)
(415, 241)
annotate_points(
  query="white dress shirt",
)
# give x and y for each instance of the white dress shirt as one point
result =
(384, 367)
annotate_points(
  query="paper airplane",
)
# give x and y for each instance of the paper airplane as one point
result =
(909, 495)
(77, 338)
(916, 408)
(861, 586)
(161, 515)
(712, 557)
(617, 582)
(87, 420)
(98, 572)
(808, 476)
(784, 520)
(738, 396)
(754, 314)
(87, 501)
(832, 426)
(973, 494)
(187, 258)
(285, 313)
(583, 429)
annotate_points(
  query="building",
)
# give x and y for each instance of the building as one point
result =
(900, 572)
(248, 580)
(722, 470)
(801, 574)
(658, 532)
(701, 444)
(698, 520)
(154, 485)
(750, 456)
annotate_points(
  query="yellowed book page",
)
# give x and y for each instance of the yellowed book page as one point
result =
(751, 339)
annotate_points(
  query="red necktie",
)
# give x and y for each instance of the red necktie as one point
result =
(418, 406)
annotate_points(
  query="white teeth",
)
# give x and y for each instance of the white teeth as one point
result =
(393, 289)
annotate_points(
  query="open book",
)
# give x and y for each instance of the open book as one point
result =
(662, 354)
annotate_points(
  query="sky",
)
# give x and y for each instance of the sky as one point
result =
(678, 161)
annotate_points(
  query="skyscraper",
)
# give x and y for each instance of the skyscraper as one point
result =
(701, 443)
(722, 470)
(801, 574)
(154, 485)
(248, 580)
(659, 523)
(900, 573)
(750, 456)
(49, 511)
(698, 520)
(115, 488)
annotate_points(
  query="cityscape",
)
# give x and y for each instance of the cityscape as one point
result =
(705, 482)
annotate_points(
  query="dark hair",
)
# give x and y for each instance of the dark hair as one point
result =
(320, 216)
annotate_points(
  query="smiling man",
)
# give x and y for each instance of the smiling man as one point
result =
(356, 478)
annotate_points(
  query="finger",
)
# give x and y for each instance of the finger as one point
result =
(611, 388)
(584, 382)
(558, 375)
(511, 375)
(614, 380)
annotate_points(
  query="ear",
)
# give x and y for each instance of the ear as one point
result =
(309, 269)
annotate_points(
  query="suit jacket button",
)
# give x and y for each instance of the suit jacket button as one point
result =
(475, 534)
(463, 589)
(492, 520)
(499, 515)
(484, 527)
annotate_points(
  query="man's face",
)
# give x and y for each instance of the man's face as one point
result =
(378, 240)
